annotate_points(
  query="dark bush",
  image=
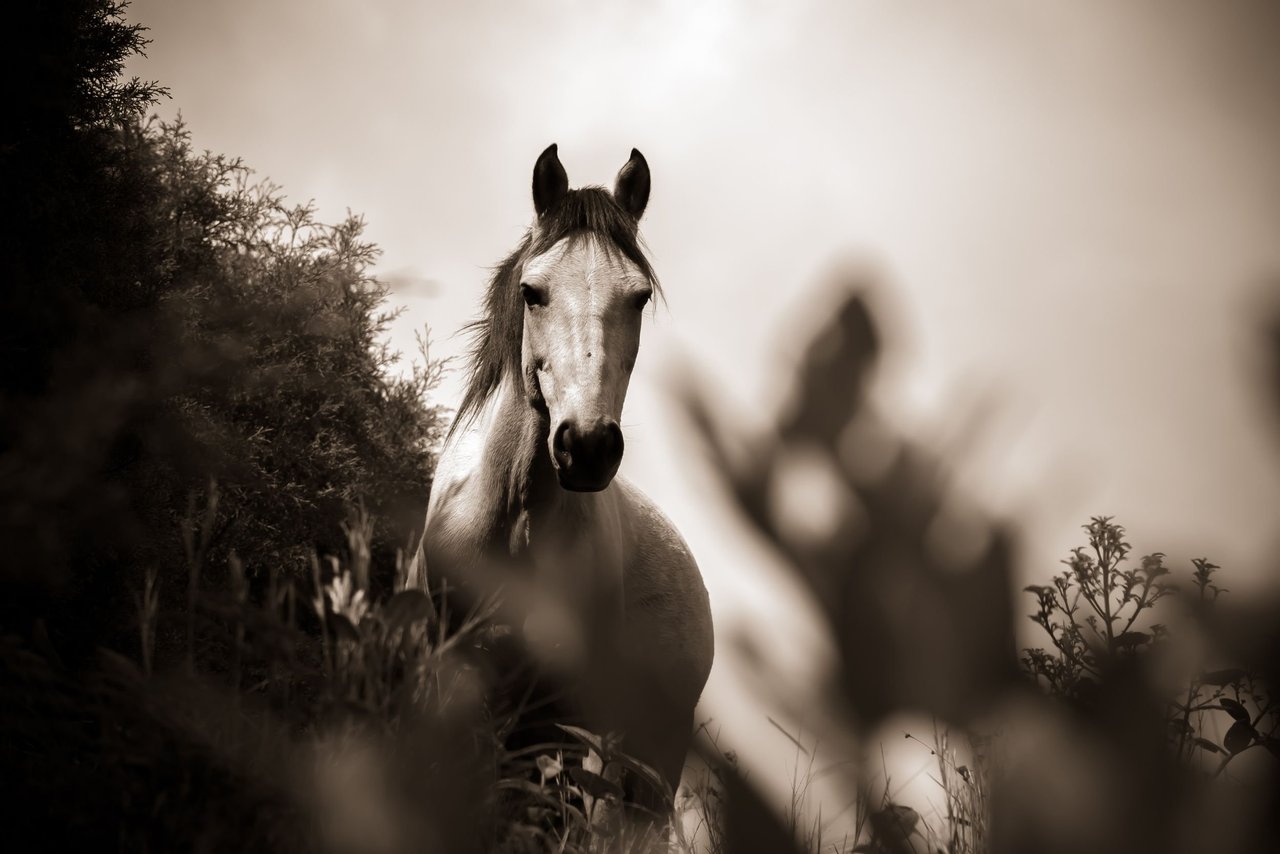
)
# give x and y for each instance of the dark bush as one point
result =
(170, 324)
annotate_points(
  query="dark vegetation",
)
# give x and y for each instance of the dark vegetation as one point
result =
(171, 324)
(213, 630)
(192, 389)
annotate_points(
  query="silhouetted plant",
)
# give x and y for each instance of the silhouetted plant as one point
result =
(1100, 613)
(913, 582)
(1090, 610)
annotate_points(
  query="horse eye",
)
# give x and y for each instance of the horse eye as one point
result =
(532, 296)
(643, 299)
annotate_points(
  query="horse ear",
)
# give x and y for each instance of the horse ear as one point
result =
(550, 181)
(632, 187)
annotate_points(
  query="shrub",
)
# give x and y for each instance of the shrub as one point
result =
(1099, 615)
(171, 323)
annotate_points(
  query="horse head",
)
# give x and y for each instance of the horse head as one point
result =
(584, 284)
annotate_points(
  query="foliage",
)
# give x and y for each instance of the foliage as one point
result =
(913, 585)
(1090, 610)
(77, 82)
(911, 580)
(1092, 613)
(314, 419)
(171, 322)
(372, 731)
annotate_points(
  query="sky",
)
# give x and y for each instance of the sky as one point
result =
(1073, 209)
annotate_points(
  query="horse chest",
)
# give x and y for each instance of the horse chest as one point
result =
(574, 551)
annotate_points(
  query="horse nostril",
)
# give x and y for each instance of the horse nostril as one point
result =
(563, 443)
(586, 451)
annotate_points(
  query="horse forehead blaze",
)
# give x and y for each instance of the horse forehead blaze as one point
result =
(584, 259)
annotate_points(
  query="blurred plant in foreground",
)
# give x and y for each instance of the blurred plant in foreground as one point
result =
(365, 724)
(915, 585)
(913, 580)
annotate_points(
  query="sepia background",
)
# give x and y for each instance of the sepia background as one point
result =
(1073, 208)
(1045, 231)
(1069, 212)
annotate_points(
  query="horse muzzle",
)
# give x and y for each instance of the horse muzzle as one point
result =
(586, 456)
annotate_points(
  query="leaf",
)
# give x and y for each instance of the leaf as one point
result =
(892, 826)
(1223, 677)
(1132, 639)
(595, 785)
(646, 772)
(587, 737)
(406, 608)
(903, 815)
(548, 767)
(1240, 736)
(1206, 744)
(1237, 711)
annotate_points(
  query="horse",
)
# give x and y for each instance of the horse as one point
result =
(597, 581)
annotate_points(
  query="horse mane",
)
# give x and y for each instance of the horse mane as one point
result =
(497, 333)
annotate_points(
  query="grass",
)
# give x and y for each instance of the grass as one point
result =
(390, 709)
(321, 715)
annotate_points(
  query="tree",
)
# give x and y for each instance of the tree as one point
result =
(171, 324)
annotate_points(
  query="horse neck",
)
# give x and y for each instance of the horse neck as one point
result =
(517, 471)
(530, 524)
(524, 493)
